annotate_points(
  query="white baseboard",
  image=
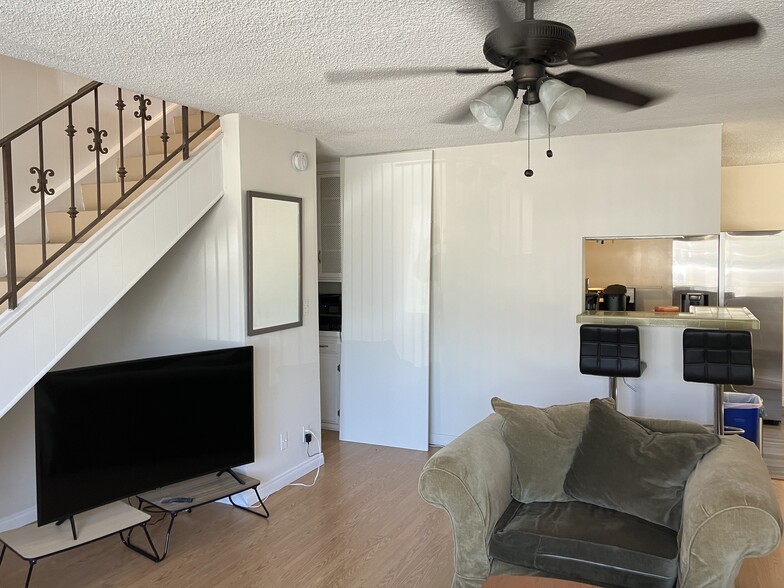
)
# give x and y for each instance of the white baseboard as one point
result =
(278, 482)
(18, 519)
(441, 440)
(330, 426)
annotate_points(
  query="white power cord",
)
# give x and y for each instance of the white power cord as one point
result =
(318, 470)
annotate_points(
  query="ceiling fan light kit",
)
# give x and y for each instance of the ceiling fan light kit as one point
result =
(561, 101)
(539, 124)
(528, 47)
(491, 109)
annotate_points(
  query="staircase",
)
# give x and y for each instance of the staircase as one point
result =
(66, 283)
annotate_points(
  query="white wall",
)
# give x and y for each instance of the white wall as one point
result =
(507, 255)
(194, 299)
(17, 465)
(287, 362)
(752, 197)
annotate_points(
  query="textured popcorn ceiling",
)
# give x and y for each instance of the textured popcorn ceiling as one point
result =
(267, 58)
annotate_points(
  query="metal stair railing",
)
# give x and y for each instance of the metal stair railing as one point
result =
(42, 174)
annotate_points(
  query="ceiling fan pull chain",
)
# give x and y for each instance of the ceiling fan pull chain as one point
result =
(549, 151)
(529, 172)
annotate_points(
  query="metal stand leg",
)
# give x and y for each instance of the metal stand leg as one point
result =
(127, 542)
(30, 572)
(73, 525)
(261, 502)
(30, 562)
(154, 556)
(718, 415)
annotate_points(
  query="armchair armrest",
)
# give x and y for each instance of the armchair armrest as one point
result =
(471, 479)
(730, 511)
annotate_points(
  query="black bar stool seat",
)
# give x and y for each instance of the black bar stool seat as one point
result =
(718, 357)
(611, 351)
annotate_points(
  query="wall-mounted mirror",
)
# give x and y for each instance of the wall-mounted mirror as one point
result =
(274, 262)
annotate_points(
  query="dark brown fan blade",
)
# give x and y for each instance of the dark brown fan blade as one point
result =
(603, 88)
(479, 70)
(641, 46)
(366, 75)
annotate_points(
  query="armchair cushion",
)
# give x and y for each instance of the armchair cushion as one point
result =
(541, 442)
(623, 465)
(586, 542)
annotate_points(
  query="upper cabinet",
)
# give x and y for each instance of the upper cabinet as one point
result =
(329, 215)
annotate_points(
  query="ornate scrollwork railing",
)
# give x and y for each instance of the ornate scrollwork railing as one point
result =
(100, 136)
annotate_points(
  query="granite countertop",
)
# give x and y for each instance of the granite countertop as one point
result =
(703, 317)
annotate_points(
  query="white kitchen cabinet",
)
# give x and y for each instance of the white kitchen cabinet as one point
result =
(329, 362)
(329, 229)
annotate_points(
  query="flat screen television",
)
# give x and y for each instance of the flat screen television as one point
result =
(107, 432)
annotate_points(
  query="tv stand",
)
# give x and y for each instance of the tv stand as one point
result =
(201, 490)
(32, 542)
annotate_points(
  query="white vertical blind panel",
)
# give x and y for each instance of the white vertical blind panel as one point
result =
(386, 299)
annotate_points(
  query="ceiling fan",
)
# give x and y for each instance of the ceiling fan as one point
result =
(528, 48)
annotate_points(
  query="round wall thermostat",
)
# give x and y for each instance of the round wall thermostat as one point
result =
(299, 160)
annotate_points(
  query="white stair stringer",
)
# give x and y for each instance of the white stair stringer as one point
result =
(65, 304)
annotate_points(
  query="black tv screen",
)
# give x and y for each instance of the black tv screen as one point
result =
(107, 432)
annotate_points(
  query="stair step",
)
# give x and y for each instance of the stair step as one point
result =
(155, 145)
(194, 121)
(110, 193)
(28, 257)
(59, 224)
(134, 169)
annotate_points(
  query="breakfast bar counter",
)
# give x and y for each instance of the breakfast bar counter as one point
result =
(700, 317)
(661, 391)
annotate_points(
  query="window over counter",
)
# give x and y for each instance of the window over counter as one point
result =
(656, 271)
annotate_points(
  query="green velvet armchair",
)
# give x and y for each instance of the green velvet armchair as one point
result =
(730, 510)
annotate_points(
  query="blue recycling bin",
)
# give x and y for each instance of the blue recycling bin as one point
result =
(744, 411)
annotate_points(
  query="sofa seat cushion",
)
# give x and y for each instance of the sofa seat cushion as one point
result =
(588, 543)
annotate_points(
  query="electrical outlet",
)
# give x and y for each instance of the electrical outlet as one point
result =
(304, 430)
(284, 441)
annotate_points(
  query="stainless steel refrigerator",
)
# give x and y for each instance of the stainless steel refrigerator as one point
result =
(751, 274)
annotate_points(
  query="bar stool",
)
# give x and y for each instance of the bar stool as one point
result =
(610, 351)
(717, 357)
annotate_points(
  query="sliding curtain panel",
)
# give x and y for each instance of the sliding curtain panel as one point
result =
(384, 389)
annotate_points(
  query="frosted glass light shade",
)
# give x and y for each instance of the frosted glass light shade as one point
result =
(538, 121)
(491, 109)
(561, 101)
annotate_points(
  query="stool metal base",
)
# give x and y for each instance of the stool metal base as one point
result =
(718, 409)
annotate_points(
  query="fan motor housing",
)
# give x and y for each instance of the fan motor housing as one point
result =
(541, 41)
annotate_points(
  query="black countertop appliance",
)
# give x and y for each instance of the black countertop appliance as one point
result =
(615, 297)
(689, 299)
(330, 311)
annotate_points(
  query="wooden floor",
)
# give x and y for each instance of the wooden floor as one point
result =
(362, 525)
(773, 449)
